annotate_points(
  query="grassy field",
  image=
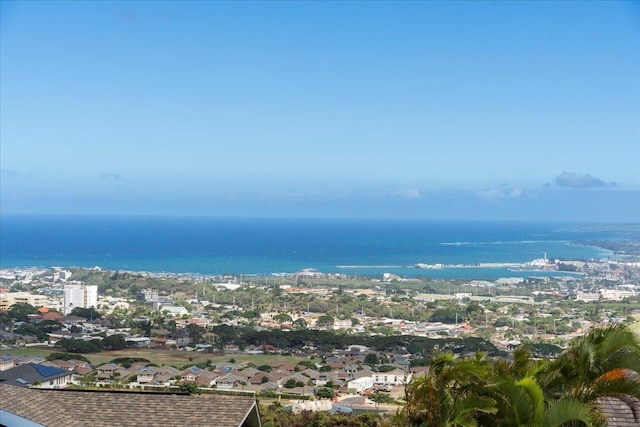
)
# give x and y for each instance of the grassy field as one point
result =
(167, 357)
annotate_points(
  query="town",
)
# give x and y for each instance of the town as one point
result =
(355, 342)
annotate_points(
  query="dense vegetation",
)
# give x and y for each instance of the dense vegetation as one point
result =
(527, 392)
(112, 342)
(483, 391)
(276, 416)
(327, 341)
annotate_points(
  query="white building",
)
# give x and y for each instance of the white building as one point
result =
(616, 294)
(588, 296)
(91, 296)
(84, 296)
(175, 311)
(395, 377)
(605, 294)
(360, 384)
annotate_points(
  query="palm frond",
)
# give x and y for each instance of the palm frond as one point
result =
(568, 410)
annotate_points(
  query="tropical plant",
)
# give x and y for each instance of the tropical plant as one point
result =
(476, 391)
(115, 378)
(522, 403)
(444, 396)
(603, 363)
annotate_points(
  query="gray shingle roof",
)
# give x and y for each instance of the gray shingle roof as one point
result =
(62, 408)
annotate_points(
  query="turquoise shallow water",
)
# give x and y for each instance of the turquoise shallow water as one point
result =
(209, 245)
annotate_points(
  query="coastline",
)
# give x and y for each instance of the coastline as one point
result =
(213, 246)
(483, 271)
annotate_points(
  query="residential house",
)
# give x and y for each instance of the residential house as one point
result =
(225, 382)
(36, 376)
(262, 377)
(6, 362)
(69, 365)
(155, 376)
(249, 373)
(145, 375)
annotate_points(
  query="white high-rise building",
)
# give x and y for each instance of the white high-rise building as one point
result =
(91, 296)
(84, 296)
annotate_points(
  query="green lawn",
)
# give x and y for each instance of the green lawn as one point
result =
(166, 357)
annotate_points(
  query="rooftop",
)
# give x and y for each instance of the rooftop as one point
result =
(28, 373)
(61, 408)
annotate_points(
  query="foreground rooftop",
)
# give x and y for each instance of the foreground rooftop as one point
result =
(62, 408)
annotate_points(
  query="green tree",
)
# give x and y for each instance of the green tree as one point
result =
(251, 314)
(114, 342)
(87, 313)
(292, 383)
(88, 380)
(21, 311)
(521, 400)
(299, 324)
(33, 330)
(78, 346)
(325, 321)
(189, 388)
(446, 316)
(324, 393)
(145, 326)
(371, 359)
(115, 378)
(66, 356)
(195, 332)
(605, 362)
(445, 396)
(282, 318)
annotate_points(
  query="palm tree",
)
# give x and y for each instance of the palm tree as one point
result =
(603, 363)
(445, 395)
(522, 403)
(115, 378)
(568, 391)
(476, 391)
(521, 400)
(88, 380)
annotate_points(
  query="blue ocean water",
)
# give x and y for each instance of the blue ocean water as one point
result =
(210, 245)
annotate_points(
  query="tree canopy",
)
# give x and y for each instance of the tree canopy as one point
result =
(478, 390)
(87, 313)
(21, 311)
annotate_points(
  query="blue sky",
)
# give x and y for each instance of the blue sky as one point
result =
(480, 110)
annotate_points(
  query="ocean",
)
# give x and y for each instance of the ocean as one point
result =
(264, 246)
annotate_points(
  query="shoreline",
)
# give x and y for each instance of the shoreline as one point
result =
(510, 270)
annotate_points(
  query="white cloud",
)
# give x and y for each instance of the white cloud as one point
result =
(406, 193)
(500, 194)
(496, 194)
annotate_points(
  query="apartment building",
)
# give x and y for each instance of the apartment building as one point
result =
(84, 296)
